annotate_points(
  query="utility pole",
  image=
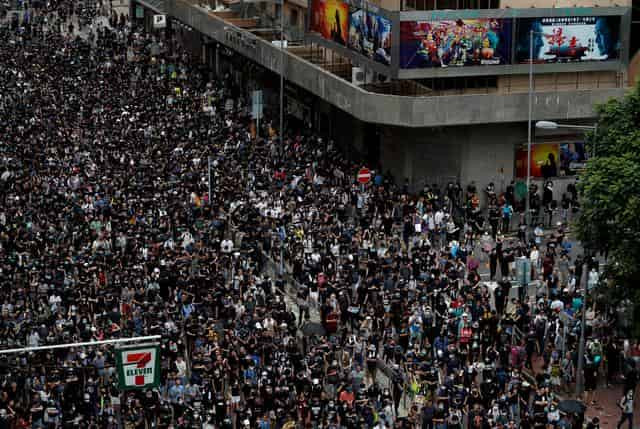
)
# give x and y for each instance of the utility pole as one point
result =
(209, 161)
(527, 203)
(583, 323)
(281, 73)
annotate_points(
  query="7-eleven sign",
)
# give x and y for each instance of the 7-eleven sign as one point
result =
(138, 368)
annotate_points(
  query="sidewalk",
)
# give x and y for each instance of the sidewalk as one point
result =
(607, 409)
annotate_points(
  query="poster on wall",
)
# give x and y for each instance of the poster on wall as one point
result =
(544, 160)
(370, 35)
(568, 39)
(462, 42)
(573, 157)
(330, 18)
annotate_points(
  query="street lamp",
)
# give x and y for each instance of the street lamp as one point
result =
(527, 202)
(583, 326)
(281, 72)
(550, 125)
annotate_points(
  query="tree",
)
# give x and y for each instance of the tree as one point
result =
(610, 195)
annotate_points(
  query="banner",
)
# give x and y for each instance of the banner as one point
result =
(463, 42)
(544, 160)
(568, 39)
(138, 367)
(330, 18)
(370, 35)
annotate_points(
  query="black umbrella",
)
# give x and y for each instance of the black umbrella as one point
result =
(312, 328)
(572, 406)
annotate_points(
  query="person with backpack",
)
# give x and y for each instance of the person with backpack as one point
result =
(626, 407)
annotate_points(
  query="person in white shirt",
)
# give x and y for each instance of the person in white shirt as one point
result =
(34, 339)
(268, 324)
(539, 234)
(181, 367)
(535, 260)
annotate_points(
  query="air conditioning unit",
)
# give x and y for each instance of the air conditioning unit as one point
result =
(358, 76)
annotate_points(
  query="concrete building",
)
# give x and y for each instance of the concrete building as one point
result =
(431, 90)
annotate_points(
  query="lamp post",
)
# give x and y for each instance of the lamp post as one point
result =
(527, 202)
(281, 72)
(550, 125)
(580, 370)
(209, 162)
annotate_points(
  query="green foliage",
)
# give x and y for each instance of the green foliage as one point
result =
(618, 126)
(610, 192)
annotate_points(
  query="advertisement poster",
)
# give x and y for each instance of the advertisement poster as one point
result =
(573, 157)
(544, 160)
(330, 18)
(463, 42)
(370, 35)
(568, 39)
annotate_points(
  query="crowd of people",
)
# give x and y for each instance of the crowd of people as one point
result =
(291, 297)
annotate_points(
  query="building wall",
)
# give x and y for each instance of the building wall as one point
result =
(560, 81)
(391, 109)
(439, 155)
(391, 5)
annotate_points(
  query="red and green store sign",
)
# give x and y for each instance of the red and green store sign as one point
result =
(138, 367)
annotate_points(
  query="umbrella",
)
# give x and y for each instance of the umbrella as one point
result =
(312, 328)
(572, 406)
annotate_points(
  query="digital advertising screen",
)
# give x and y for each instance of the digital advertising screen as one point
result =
(370, 35)
(455, 43)
(573, 157)
(544, 160)
(568, 39)
(330, 18)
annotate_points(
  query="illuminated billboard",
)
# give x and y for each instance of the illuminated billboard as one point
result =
(544, 160)
(330, 18)
(568, 39)
(370, 35)
(461, 42)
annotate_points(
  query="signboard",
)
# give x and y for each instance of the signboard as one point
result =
(544, 160)
(364, 175)
(573, 157)
(461, 42)
(330, 18)
(159, 21)
(240, 39)
(138, 367)
(256, 104)
(370, 35)
(552, 159)
(568, 39)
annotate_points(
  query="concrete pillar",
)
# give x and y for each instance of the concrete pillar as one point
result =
(482, 153)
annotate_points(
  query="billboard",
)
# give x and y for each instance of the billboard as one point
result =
(544, 160)
(568, 39)
(573, 157)
(370, 35)
(462, 42)
(330, 18)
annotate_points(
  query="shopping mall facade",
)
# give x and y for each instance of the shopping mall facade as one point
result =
(432, 90)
